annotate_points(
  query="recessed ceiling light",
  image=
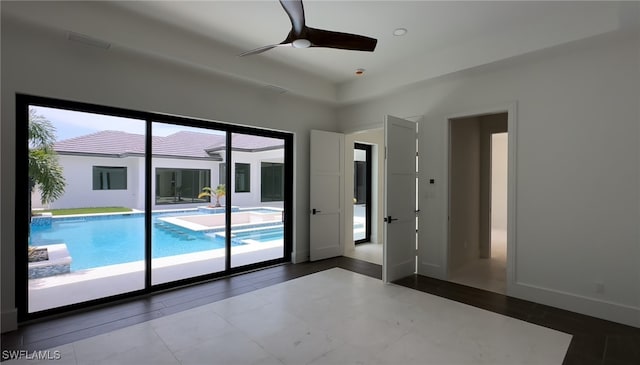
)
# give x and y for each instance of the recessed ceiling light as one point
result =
(400, 32)
(359, 71)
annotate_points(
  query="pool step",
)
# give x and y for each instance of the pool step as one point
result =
(242, 237)
(174, 231)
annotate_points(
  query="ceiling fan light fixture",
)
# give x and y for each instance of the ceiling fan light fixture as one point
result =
(302, 36)
(399, 32)
(301, 43)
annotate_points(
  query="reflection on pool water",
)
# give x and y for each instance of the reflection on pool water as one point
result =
(116, 239)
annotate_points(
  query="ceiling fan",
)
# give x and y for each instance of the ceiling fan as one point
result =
(302, 36)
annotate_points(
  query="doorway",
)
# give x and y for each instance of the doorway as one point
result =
(478, 171)
(361, 193)
(371, 250)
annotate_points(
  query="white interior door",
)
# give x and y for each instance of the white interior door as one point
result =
(326, 226)
(399, 259)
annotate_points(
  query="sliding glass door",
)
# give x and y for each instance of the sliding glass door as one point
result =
(257, 198)
(188, 220)
(121, 203)
(86, 237)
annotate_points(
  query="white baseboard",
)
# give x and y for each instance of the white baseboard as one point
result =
(594, 307)
(9, 320)
(300, 256)
(431, 270)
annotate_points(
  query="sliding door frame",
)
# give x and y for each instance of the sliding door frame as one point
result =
(23, 102)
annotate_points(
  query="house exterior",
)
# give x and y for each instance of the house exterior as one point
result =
(106, 168)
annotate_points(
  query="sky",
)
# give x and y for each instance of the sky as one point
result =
(71, 124)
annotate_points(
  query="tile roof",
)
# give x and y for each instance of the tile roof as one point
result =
(187, 144)
(103, 142)
(181, 144)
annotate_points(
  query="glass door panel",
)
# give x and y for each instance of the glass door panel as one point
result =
(86, 232)
(257, 198)
(361, 193)
(188, 220)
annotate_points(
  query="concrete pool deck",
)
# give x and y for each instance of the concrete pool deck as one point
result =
(205, 222)
(83, 285)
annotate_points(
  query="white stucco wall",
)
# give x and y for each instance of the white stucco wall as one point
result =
(79, 193)
(252, 198)
(79, 189)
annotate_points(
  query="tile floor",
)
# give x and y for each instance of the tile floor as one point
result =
(329, 317)
(369, 252)
(487, 274)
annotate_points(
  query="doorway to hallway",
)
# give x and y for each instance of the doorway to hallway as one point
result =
(478, 171)
(371, 250)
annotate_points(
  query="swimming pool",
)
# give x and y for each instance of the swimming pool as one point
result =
(116, 239)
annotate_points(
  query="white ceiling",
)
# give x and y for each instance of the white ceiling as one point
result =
(443, 37)
(431, 25)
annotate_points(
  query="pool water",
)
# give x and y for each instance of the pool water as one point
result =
(262, 235)
(120, 239)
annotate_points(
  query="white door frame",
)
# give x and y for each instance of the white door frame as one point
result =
(511, 110)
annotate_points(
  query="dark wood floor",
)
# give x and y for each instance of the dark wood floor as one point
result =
(595, 341)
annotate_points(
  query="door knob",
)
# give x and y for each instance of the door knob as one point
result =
(314, 211)
(389, 219)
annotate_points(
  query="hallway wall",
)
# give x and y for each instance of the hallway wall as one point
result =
(464, 193)
(499, 169)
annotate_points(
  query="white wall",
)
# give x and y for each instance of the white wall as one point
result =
(79, 189)
(490, 124)
(42, 62)
(252, 198)
(464, 203)
(577, 178)
(78, 173)
(499, 169)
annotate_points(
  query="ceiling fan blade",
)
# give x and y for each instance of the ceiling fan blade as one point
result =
(262, 49)
(295, 11)
(330, 39)
(302, 36)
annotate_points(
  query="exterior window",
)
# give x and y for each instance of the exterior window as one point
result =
(222, 174)
(181, 186)
(243, 177)
(109, 178)
(271, 182)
